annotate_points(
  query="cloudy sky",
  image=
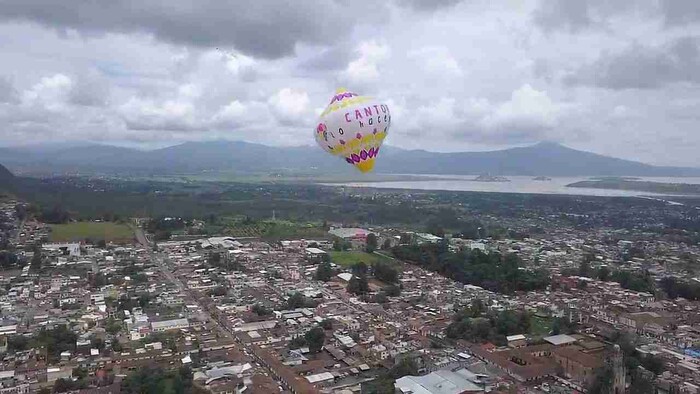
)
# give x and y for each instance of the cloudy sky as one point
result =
(615, 77)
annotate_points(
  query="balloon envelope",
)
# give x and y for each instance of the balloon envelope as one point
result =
(353, 127)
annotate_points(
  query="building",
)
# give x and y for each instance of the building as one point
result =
(166, 325)
(350, 233)
(560, 340)
(315, 255)
(518, 340)
(423, 238)
(576, 364)
(441, 382)
(53, 374)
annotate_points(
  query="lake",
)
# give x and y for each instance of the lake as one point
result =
(517, 184)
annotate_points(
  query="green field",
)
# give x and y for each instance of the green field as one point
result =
(95, 231)
(540, 326)
(270, 230)
(349, 258)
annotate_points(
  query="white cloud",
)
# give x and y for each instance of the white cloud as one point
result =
(290, 105)
(526, 108)
(51, 92)
(437, 61)
(365, 68)
(143, 114)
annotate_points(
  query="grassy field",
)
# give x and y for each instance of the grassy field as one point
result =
(540, 326)
(91, 230)
(273, 231)
(349, 258)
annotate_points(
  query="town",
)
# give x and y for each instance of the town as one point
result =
(371, 309)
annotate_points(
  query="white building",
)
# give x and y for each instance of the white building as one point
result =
(166, 325)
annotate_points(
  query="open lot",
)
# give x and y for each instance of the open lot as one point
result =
(95, 231)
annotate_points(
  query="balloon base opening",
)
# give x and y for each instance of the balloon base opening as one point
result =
(365, 166)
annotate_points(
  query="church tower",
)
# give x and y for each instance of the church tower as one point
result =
(619, 373)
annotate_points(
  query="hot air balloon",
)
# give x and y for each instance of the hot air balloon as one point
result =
(353, 127)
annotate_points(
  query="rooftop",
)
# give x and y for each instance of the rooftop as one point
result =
(439, 382)
(561, 339)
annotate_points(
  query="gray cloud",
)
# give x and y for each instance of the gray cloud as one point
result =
(429, 5)
(264, 28)
(8, 93)
(327, 59)
(643, 67)
(680, 12)
(90, 90)
(574, 16)
(563, 14)
(469, 76)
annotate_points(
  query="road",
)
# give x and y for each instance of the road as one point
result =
(163, 264)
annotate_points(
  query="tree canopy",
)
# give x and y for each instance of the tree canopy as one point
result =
(492, 271)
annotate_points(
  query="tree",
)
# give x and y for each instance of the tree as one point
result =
(113, 326)
(7, 259)
(297, 342)
(603, 381)
(358, 285)
(37, 258)
(157, 380)
(296, 300)
(371, 243)
(218, 291)
(380, 298)
(604, 273)
(584, 268)
(392, 290)
(385, 272)
(386, 245)
(326, 324)
(215, 258)
(64, 385)
(315, 338)
(324, 272)
(404, 367)
(340, 245)
(260, 310)
(654, 364)
(382, 384)
(641, 383)
(556, 327)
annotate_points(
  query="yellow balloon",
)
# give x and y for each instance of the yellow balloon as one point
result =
(353, 127)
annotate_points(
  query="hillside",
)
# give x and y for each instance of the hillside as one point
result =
(549, 159)
(6, 177)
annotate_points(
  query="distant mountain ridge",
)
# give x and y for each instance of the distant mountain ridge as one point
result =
(543, 159)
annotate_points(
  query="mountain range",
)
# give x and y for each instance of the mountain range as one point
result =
(545, 158)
